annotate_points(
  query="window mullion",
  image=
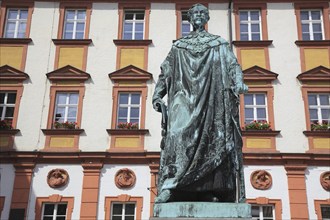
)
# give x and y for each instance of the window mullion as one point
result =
(16, 24)
(129, 108)
(55, 211)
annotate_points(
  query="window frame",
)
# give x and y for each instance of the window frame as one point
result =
(19, 91)
(323, 6)
(123, 198)
(318, 106)
(55, 198)
(310, 23)
(75, 22)
(5, 5)
(54, 211)
(67, 105)
(255, 106)
(262, 7)
(261, 217)
(264, 201)
(129, 105)
(134, 23)
(317, 206)
(18, 21)
(123, 215)
(122, 7)
(74, 6)
(249, 22)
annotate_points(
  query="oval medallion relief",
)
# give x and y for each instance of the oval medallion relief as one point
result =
(125, 178)
(261, 179)
(57, 178)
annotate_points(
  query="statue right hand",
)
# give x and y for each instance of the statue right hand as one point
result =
(157, 104)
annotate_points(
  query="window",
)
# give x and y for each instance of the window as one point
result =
(186, 27)
(129, 108)
(250, 25)
(319, 108)
(133, 25)
(66, 107)
(54, 211)
(311, 24)
(325, 212)
(263, 212)
(255, 107)
(7, 106)
(16, 23)
(123, 211)
(74, 24)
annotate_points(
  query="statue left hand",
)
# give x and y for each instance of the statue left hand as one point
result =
(241, 88)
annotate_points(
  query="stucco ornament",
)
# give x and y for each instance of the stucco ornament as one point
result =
(125, 178)
(325, 180)
(201, 157)
(57, 178)
(261, 179)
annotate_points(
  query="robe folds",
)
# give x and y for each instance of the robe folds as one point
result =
(203, 137)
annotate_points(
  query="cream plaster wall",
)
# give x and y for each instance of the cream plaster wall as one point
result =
(218, 23)
(7, 177)
(278, 190)
(162, 32)
(314, 188)
(33, 112)
(109, 188)
(101, 60)
(40, 188)
(285, 61)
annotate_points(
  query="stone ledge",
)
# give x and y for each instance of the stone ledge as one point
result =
(201, 210)
(155, 218)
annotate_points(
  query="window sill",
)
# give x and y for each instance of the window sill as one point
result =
(15, 40)
(62, 131)
(260, 43)
(263, 133)
(302, 43)
(317, 133)
(9, 131)
(128, 132)
(72, 41)
(132, 42)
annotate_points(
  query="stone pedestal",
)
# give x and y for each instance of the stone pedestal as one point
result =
(201, 211)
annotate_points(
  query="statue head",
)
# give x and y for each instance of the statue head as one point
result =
(198, 16)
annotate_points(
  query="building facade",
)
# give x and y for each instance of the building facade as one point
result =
(79, 138)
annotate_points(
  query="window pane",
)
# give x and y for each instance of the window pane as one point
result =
(68, 26)
(244, 37)
(317, 28)
(9, 112)
(248, 99)
(61, 98)
(324, 99)
(135, 98)
(12, 14)
(122, 112)
(2, 98)
(316, 15)
(249, 113)
(255, 211)
(325, 114)
(312, 99)
(185, 28)
(139, 27)
(317, 36)
(138, 36)
(306, 36)
(22, 27)
(68, 35)
(49, 209)
(81, 14)
(122, 120)
(140, 16)
(267, 211)
(305, 28)
(260, 99)
(134, 120)
(23, 14)
(80, 26)
(70, 14)
(129, 217)
(243, 15)
(60, 112)
(255, 36)
(48, 218)
(79, 35)
(244, 27)
(73, 98)
(60, 218)
(116, 218)
(313, 114)
(255, 28)
(129, 16)
(325, 211)
(123, 98)
(117, 209)
(304, 15)
(128, 27)
(255, 15)
(128, 36)
(61, 209)
(1, 109)
(261, 113)
(11, 98)
(72, 112)
(10, 26)
(129, 209)
(135, 112)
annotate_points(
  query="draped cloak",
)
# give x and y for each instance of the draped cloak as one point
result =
(202, 145)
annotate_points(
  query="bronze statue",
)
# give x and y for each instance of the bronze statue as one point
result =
(201, 157)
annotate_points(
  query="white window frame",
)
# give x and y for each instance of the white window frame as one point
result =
(310, 23)
(75, 21)
(129, 106)
(184, 22)
(134, 21)
(66, 105)
(18, 21)
(254, 106)
(261, 214)
(249, 22)
(5, 105)
(123, 215)
(318, 106)
(55, 210)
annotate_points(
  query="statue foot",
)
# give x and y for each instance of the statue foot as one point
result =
(164, 196)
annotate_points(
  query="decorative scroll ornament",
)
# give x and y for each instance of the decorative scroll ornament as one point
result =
(57, 178)
(125, 178)
(261, 179)
(325, 180)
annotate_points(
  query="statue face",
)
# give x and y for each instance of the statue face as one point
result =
(199, 16)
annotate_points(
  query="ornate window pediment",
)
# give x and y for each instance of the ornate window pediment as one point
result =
(257, 73)
(130, 72)
(316, 74)
(68, 73)
(11, 73)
